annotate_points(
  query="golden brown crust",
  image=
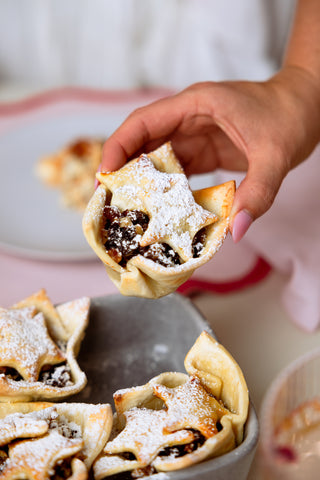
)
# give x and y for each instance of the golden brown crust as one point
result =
(222, 376)
(142, 276)
(42, 335)
(39, 436)
(149, 417)
(72, 169)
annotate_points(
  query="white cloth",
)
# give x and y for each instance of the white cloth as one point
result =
(133, 43)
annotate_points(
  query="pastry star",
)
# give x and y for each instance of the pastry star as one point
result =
(21, 426)
(36, 459)
(25, 344)
(190, 406)
(143, 435)
(175, 217)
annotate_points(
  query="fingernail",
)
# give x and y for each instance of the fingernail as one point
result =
(96, 182)
(241, 224)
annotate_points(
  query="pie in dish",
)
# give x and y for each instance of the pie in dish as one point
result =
(177, 420)
(38, 348)
(296, 440)
(40, 440)
(72, 170)
(149, 229)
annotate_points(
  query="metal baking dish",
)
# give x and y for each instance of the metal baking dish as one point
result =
(129, 340)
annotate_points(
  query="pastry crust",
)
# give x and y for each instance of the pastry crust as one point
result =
(72, 169)
(39, 436)
(36, 334)
(202, 413)
(156, 185)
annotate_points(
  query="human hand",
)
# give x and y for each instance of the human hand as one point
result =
(264, 128)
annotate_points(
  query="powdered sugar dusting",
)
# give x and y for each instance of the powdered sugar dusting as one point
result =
(144, 435)
(25, 343)
(40, 455)
(175, 217)
(190, 406)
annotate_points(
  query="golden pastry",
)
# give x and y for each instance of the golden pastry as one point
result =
(72, 169)
(43, 440)
(38, 348)
(177, 420)
(149, 229)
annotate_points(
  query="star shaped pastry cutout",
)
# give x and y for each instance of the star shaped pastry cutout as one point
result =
(25, 344)
(35, 459)
(144, 435)
(21, 426)
(174, 215)
(190, 406)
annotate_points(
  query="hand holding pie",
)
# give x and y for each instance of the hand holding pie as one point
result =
(150, 229)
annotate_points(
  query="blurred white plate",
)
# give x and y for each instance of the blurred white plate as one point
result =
(33, 223)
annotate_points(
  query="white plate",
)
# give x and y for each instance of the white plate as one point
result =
(33, 223)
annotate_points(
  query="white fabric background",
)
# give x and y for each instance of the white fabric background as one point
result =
(133, 43)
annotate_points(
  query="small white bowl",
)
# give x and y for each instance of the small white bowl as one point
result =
(289, 419)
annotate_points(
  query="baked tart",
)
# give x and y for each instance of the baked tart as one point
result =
(296, 439)
(72, 170)
(177, 420)
(40, 440)
(38, 348)
(150, 229)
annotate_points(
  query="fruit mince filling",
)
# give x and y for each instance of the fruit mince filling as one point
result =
(53, 375)
(173, 451)
(122, 232)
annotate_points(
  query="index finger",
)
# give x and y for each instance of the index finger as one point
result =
(146, 127)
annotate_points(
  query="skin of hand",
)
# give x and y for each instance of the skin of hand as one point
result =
(262, 128)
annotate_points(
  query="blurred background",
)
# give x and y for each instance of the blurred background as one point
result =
(132, 44)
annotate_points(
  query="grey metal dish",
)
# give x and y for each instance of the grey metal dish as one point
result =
(130, 340)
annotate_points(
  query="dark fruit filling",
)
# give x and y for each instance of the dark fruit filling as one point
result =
(3, 458)
(62, 470)
(174, 451)
(180, 450)
(122, 233)
(53, 375)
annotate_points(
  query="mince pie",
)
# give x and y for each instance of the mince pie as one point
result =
(72, 170)
(40, 441)
(296, 439)
(38, 348)
(176, 419)
(149, 229)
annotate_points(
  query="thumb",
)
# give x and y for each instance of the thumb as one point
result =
(254, 197)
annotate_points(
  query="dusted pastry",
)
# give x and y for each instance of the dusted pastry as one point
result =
(149, 229)
(45, 440)
(177, 420)
(72, 170)
(38, 348)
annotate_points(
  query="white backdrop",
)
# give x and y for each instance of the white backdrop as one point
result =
(134, 43)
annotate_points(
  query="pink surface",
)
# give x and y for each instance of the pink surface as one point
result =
(63, 281)
(288, 238)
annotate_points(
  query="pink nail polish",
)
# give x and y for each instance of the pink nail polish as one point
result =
(241, 223)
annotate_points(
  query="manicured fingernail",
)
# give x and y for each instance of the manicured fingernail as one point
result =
(96, 182)
(241, 223)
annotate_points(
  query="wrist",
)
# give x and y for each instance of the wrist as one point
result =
(299, 94)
